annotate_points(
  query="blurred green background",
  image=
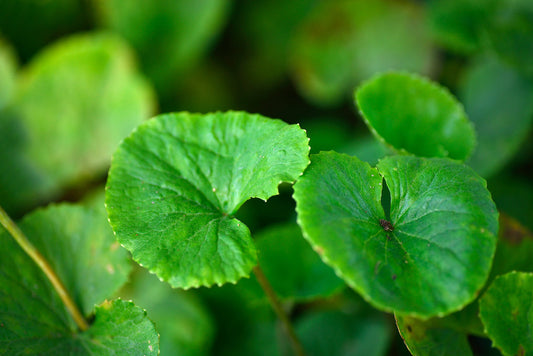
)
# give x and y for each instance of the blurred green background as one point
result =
(77, 76)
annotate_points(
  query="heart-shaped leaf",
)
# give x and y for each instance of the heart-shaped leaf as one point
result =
(429, 258)
(176, 181)
(415, 115)
(506, 310)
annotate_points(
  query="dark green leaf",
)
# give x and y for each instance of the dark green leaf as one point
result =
(430, 258)
(78, 244)
(293, 269)
(177, 180)
(423, 339)
(506, 310)
(500, 103)
(169, 35)
(509, 31)
(458, 24)
(337, 333)
(415, 115)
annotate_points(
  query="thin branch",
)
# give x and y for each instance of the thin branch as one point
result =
(27, 246)
(276, 305)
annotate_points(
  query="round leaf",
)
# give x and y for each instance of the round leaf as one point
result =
(74, 103)
(506, 310)
(429, 258)
(415, 115)
(176, 181)
(343, 42)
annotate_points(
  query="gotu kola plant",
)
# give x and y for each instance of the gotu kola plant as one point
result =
(176, 182)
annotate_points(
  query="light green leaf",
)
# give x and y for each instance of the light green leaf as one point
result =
(74, 103)
(424, 339)
(500, 103)
(79, 246)
(168, 35)
(429, 258)
(175, 183)
(8, 65)
(293, 269)
(506, 310)
(344, 42)
(415, 115)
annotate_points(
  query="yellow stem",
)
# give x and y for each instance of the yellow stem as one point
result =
(27, 246)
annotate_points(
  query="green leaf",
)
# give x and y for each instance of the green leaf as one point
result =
(175, 183)
(79, 246)
(184, 324)
(509, 30)
(458, 24)
(415, 115)
(293, 269)
(343, 42)
(169, 35)
(338, 333)
(119, 328)
(506, 310)
(515, 248)
(8, 66)
(500, 103)
(75, 102)
(429, 258)
(423, 339)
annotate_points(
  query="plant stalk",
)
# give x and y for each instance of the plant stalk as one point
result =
(27, 246)
(276, 305)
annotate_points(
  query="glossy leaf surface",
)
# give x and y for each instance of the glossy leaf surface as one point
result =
(434, 252)
(423, 339)
(506, 310)
(415, 115)
(176, 181)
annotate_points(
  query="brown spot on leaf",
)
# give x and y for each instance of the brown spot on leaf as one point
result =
(386, 225)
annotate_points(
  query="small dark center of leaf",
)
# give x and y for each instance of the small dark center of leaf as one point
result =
(386, 225)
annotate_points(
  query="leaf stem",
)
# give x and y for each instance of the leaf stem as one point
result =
(276, 305)
(27, 246)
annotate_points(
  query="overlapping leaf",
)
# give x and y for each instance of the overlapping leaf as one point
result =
(434, 252)
(415, 115)
(424, 339)
(79, 246)
(506, 310)
(176, 181)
